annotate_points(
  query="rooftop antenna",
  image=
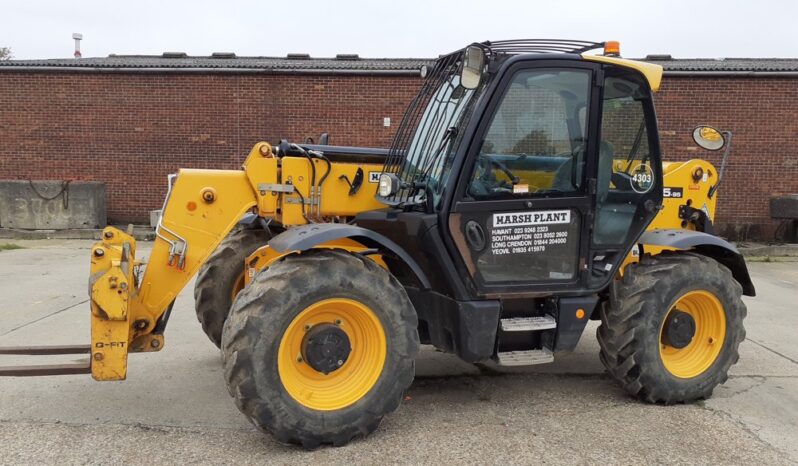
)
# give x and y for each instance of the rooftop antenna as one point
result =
(78, 37)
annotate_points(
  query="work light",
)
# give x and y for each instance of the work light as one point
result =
(389, 184)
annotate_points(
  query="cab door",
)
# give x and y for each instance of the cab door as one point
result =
(523, 207)
(629, 170)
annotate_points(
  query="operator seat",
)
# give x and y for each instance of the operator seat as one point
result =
(612, 218)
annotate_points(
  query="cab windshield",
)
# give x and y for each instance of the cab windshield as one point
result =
(425, 143)
(432, 146)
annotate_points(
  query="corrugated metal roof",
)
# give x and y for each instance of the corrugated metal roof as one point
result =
(174, 60)
(725, 64)
(348, 63)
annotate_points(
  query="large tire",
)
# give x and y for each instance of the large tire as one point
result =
(222, 276)
(268, 313)
(631, 335)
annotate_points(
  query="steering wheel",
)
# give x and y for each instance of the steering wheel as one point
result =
(501, 166)
(485, 180)
(503, 185)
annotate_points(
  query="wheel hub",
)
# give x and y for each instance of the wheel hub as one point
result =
(326, 348)
(679, 329)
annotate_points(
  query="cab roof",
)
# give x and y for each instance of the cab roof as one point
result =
(652, 72)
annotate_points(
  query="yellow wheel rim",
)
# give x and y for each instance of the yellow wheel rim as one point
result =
(352, 381)
(710, 333)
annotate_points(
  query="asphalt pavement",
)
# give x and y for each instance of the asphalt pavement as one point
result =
(175, 409)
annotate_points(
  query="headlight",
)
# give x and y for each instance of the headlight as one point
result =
(388, 185)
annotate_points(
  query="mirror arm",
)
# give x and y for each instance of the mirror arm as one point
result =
(728, 136)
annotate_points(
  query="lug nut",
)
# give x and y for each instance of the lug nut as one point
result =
(307, 327)
(338, 322)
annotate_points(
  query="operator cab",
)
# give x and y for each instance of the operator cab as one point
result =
(538, 163)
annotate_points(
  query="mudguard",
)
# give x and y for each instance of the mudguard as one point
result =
(707, 245)
(305, 237)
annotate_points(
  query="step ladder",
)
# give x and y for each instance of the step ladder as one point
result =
(531, 325)
(527, 324)
(525, 358)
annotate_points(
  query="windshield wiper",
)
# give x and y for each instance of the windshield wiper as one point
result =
(420, 183)
(451, 132)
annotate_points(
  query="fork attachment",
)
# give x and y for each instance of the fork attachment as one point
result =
(46, 369)
(112, 285)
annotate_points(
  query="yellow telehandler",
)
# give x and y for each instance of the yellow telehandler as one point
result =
(523, 194)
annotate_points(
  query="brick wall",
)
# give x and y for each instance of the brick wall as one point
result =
(131, 130)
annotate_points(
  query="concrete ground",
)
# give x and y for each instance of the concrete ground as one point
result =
(174, 407)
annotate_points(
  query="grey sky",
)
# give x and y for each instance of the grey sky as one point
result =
(409, 28)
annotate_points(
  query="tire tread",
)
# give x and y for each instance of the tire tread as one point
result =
(211, 300)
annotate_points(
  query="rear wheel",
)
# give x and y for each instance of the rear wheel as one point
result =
(221, 278)
(319, 347)
(672, 327)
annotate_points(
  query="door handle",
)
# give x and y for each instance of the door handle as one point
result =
(475, 235)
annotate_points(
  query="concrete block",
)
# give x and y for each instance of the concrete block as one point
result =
(155, 217)
(52, 205)
(784, 206)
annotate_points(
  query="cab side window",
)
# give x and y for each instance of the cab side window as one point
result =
(535, 141)
(625, 174)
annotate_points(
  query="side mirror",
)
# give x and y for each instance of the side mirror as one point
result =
(711, 139)
(473, 67)
(708, 138)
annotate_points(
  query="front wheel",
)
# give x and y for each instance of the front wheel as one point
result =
(672, 327)
(221, 278)
(319, 347)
